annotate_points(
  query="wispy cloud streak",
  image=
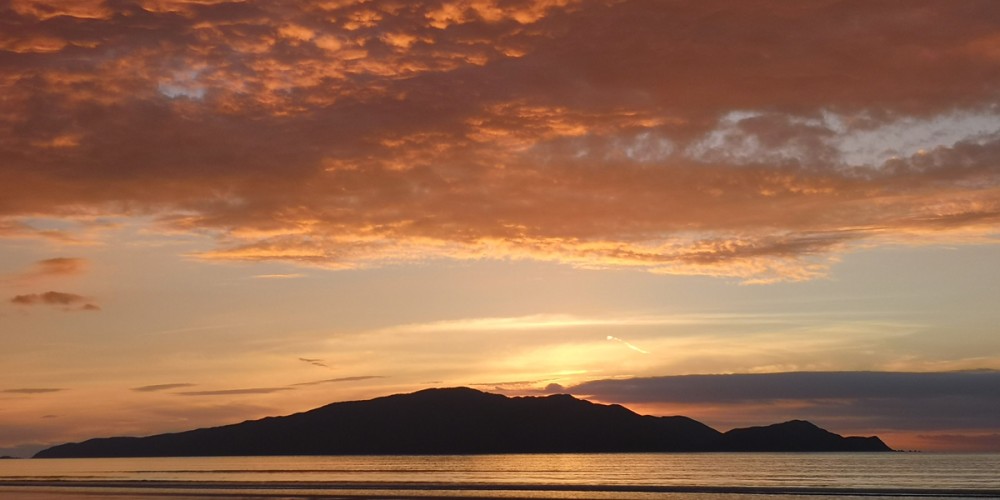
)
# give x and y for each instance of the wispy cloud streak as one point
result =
(161, 387)
(31, 390)
(357, 378)
(315, 362)
(235, 392)
(627, 344)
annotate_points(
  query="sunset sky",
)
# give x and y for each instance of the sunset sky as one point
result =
(741, 211)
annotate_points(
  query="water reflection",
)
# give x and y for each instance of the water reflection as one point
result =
(528, 476)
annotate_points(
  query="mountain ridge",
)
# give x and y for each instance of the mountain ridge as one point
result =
(465, 421)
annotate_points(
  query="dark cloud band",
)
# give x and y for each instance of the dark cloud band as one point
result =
(876, 400)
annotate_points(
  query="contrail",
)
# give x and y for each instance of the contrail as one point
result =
(627, 344)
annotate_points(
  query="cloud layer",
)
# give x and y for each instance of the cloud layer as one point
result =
(751, 139)
(933, 402)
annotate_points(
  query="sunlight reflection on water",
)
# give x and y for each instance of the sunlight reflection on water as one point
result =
(641, 476)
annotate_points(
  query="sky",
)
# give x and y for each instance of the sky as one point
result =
(740, 211)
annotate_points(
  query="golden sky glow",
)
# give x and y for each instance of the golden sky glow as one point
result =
(200, 196)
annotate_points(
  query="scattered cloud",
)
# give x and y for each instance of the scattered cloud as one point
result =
(60, 266)
(32, 390)
(18, 229)
(57, 267)
(161, 387)
(315, 362)
(340, 380)
(235, 392)
(624, 135)
(279, 276)
(54, 267)
(57, 298)
(68, 301)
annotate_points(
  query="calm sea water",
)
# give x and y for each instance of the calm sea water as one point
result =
(640, 476)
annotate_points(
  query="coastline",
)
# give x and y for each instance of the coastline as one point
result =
(677, 476)
(192, 490)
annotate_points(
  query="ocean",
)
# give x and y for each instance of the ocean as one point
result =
(674, 476)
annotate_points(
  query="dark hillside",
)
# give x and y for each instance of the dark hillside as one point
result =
(456, 421)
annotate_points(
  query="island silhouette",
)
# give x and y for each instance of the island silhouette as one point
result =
(466, 421)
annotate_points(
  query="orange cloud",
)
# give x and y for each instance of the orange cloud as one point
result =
(47, 270)
(59, 266)
(751, 140)
(85, 9)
